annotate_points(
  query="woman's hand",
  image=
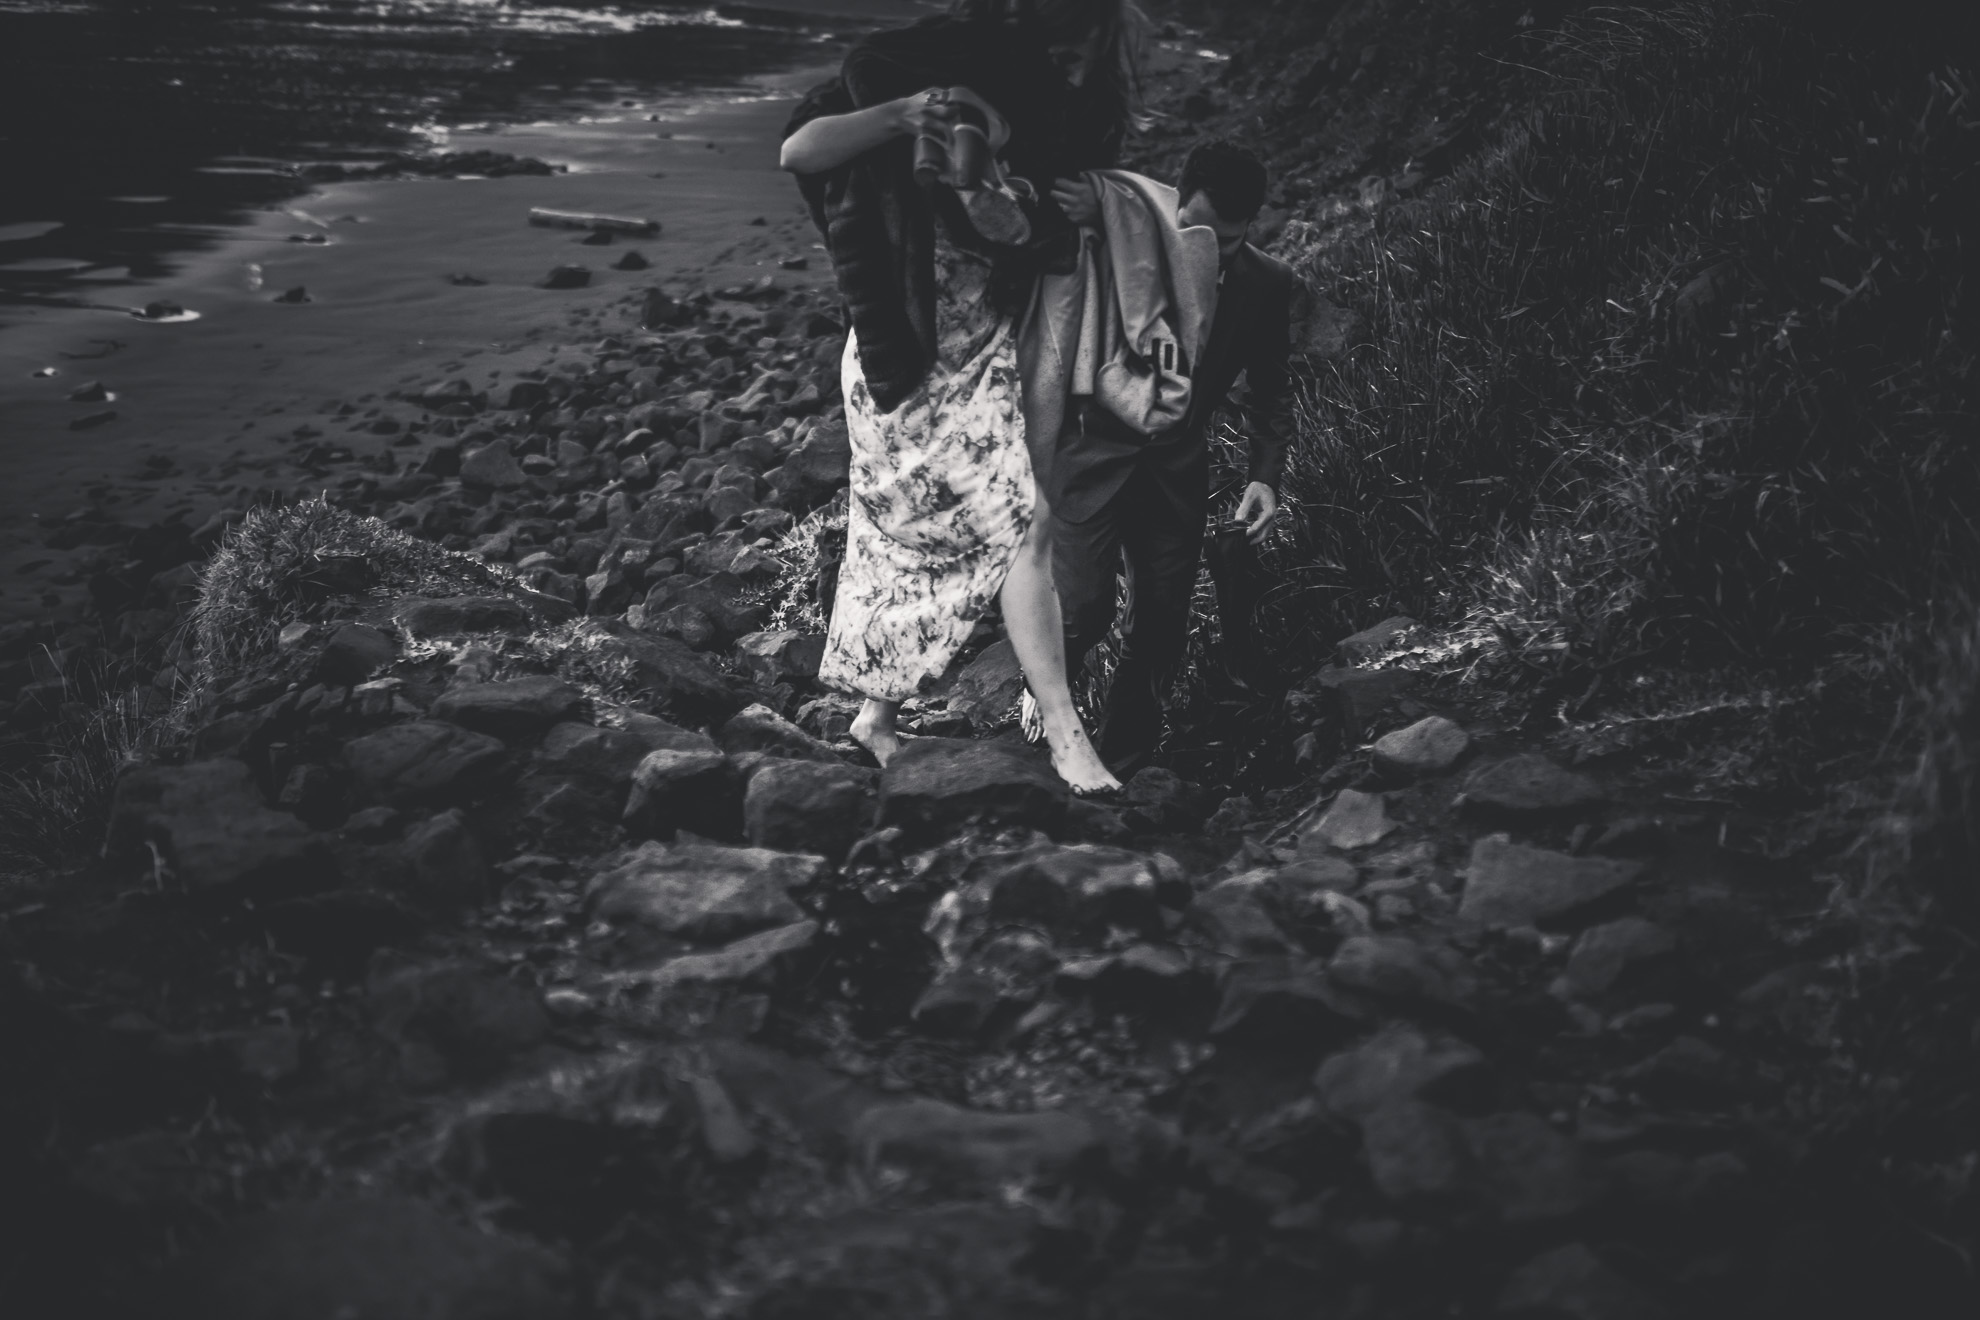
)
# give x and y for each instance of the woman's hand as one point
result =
(1077, 198)
(831, 140)
(929, 111)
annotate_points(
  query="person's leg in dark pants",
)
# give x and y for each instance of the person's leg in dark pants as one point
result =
(1086, 558)
(1164, 542)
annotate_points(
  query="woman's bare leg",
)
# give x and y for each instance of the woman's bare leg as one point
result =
(873, 728)
(1031, 614)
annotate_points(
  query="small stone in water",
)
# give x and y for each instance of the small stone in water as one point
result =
(299, 294)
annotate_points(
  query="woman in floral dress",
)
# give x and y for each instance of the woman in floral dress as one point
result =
(948, 511)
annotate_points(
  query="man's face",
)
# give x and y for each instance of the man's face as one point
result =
(1197, 210)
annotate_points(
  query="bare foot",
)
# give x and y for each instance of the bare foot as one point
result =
(873, 729)
(1029, 720)
(1080, 766)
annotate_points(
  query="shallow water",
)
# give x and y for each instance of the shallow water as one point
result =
(129, 131)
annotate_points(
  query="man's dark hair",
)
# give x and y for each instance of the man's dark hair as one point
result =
(1230, 175)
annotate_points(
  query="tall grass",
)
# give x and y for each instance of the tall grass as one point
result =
(1682, 369)
(54, 799)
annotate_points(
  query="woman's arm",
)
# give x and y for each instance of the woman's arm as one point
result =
(829, 142)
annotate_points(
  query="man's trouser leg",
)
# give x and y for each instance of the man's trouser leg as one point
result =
(1086, 556)
(1164, 545)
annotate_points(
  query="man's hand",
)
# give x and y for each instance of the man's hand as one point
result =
(1078, 200)
(1256, 510)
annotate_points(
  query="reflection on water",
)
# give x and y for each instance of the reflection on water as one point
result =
(130, 128)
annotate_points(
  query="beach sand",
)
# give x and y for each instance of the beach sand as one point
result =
(208, 412)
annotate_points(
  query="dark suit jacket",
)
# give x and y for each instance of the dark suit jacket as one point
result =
(1251, 336)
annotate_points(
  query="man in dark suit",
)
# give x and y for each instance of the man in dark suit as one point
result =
(1117, 490)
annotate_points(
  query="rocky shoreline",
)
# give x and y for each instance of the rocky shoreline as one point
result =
(496, 822)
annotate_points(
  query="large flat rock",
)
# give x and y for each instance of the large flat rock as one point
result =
(208, 821)
(423, 761)
(809, 806)
(1511, 884)
(969, 1150)
(705, 892)
(936, 784)
(513, 709)
(1529, 785)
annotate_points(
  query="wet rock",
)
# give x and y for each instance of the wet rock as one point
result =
(380, 1257)
(298, 294)
(1360, 696)
(1400, 1063)
(782, 656)
(1510, 884)
(90, 392)
(514, 710)
(705, 891)
(1430, 746)
(1081, 890)
(1307, 877)
(1282, 1001)
(1573, 1281)
(207, 821)
(1799, 1001)
(453, 616)
(1414, 1151)
(446, 866)
(817, 466)
(90, 421)
(491, 467)
(1603, 953)
(687, 784)
(1165, 800)
(607, 758)
(1353, 820)
(958, 1004)
(1371, 644)
(527, 394)
(809, 806)
(935, 784)
(1141, 978)
(679, 683)
(316, 794)
(757, 728)
(353, 654)
(755, 961)
(566, 277)
(1396, 967)
(472, 1014)
(1232, 916)
(423, 761)
(960, 1150)
(1688, 1072)
(988, 686)
(631, 260)
(1529, 785)
(1530, 1172)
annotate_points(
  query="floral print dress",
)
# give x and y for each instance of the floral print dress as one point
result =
(941, 496)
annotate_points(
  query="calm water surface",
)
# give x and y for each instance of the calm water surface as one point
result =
(130, 131)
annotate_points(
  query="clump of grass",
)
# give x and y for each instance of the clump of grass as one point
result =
(309, 562)
(53, 806)
(1681, 370)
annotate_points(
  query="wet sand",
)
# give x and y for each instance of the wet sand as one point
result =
(212, 413)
